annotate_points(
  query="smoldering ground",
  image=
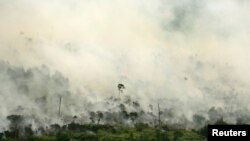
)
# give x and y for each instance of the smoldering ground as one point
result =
(188, 56)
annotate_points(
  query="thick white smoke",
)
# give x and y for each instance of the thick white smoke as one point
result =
(191, 54)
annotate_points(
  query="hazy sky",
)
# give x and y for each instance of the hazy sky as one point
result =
(190, 50)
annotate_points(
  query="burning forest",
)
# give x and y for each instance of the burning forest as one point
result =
(122, 70)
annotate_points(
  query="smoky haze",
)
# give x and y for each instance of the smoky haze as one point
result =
(187, 55)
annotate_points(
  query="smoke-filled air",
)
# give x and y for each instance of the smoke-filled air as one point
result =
(124, 62)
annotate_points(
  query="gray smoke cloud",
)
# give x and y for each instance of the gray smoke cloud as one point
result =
(187, 55)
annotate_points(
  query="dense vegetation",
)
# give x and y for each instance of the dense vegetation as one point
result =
(97, 132)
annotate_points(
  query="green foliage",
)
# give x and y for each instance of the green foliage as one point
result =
(88, 136)
(203, 131)
(141, 126)
(94, 132)
(62, 136)
(177, 135)
(41, 138)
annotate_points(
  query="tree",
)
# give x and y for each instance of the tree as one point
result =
(203, 131)
(28, 131)
(159, 116)
(99, 116)
(199, 120)
(92, 117)
(220, 122)
(74, 118)
(140, 126)
(121, 87)
(15, 124)
(133, 116)
(60, 102)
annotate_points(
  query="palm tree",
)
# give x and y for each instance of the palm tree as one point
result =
(120, 88)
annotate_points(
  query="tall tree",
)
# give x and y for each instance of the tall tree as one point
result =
(60, 101)
(159, 115)
(121, 87)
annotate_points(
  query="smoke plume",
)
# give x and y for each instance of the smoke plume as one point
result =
(188, 56)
